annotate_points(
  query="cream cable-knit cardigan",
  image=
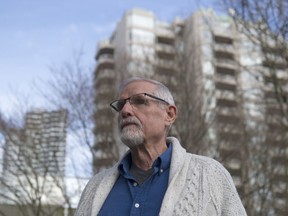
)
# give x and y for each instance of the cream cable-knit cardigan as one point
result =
(197, 186)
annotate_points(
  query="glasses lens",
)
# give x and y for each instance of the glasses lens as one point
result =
(135, 100)
(118, 105)
(138, 100)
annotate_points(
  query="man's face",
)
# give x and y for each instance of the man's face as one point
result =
(139, 124)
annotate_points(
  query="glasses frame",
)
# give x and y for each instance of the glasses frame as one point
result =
(128, 99)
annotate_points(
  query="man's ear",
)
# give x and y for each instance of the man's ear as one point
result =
(171, 111)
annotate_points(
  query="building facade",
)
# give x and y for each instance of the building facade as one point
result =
(38, 147)
(224, 111)
(33, 171)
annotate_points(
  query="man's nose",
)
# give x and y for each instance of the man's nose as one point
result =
(127, 109)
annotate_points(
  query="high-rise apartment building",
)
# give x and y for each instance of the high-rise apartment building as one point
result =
(39, 147)
(214, 71)
(137, 41)
(33, 171)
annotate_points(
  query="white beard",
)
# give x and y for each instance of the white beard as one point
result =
(132, 135)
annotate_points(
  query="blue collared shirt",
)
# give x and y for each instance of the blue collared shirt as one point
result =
(127, 197)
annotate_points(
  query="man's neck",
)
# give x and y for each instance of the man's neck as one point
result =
(143, 156)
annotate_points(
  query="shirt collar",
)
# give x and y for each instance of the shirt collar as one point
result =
(125, 165)
(163, 161)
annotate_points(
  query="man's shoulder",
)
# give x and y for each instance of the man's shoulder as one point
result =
(107, 172)
(97, 178)
(208, 163)
(183, 155)
(205, 160)
(211, 168)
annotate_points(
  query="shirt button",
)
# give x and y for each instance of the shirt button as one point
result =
(161, 170)
(135, 184)
(137, 205)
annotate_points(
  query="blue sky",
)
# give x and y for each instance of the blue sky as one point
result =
(36, 34)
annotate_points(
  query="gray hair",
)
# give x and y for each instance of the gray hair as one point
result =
(162, 91)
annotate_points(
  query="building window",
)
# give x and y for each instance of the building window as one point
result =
(225, 71)
(223, 40)
(223, 55)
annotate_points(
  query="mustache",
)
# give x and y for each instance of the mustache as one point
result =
(130, 120)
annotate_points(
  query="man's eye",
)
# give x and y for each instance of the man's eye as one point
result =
(120, 104)
(138, 100)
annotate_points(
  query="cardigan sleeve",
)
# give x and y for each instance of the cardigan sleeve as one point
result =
(224, 195)
(85, 204)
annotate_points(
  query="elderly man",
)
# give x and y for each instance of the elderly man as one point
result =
(157, 176)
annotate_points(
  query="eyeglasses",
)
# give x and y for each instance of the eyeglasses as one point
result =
(135, 100)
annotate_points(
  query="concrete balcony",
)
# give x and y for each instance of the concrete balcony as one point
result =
(165, 48)
(224, 48)
(104, 47)
(165, 36)
(105, 63)
(227, 63)
(166, 64)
